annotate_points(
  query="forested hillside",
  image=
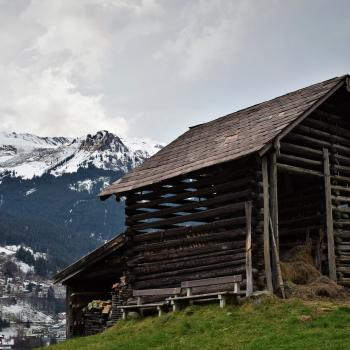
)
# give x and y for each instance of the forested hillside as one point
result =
(49, 188)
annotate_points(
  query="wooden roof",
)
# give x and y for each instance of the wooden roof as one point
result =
(226, 138)
(90, 259)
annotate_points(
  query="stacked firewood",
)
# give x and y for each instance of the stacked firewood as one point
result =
(120, 295)
(96, 315)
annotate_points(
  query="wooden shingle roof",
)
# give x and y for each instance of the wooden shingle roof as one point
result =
(226, 138)
(95, 256)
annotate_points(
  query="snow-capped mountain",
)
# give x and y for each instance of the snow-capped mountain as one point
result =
(49, 187)
(27, 156)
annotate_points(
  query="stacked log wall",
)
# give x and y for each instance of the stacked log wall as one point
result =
(191, 228)
(302, 152)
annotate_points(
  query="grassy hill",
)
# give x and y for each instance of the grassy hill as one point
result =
(263, 325)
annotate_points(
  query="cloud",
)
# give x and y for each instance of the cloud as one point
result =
(208, 39)
(154, 67)
(47, 103)
(48, 74)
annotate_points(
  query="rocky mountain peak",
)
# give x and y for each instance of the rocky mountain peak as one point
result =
(102, 141)
(27, 156)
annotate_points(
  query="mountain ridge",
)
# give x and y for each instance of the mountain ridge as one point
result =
(27, 155)
(49, 188)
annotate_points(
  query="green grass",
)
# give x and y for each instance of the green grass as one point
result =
(272, 324)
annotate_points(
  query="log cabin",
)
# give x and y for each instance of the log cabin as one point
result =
(228, 197)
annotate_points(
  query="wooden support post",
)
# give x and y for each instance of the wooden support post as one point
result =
(175, 305)
(236, 288)
(274, 198)
(69, 316)
(160, 311)
(274, 216)
(329, 216)
(124, 314)
(222, 299)
(267, 258)
(248, 249)
(278, 265)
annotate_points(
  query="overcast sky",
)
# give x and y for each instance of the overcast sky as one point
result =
(153, 68)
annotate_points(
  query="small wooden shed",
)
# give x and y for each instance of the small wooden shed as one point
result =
(229, 196)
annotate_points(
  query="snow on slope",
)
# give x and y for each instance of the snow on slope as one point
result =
(29, 141)
(26, 155)
(23, 312)
(7, 251)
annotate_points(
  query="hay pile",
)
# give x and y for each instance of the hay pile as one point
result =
(303, 280)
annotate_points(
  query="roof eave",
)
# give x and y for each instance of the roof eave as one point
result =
(89, 259)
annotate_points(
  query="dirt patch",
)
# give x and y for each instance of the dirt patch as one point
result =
(303, 280)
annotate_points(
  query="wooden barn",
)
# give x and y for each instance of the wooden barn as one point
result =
(227, 198)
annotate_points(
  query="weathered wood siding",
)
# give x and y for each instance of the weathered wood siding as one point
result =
(193, 227)
(322, 138)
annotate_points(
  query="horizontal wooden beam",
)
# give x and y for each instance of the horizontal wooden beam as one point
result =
(225, 235)
(298, 170)
(193, 205)
(220, 188)
(224, 210)
(186, 230)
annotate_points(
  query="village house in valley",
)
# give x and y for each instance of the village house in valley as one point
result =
(227, 198)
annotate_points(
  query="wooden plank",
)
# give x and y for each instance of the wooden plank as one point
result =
(274, 212)
(325, 135)
(185, 252)
(193, 270)
(327, 126)
(182, 231)
(296, 160)
(248, 247)
(223, 187)
(329, 216)
(159, 291)
(340, 188)
(340, 178)
(302, 150)
(170, 281)
(214, 236)
(199, 296)
(189, 262)
(274, 197)
(342, 168)
(191, 205)
(211, 281)
(312, 142)
(341, 222)
(277, 259)
(341, 159)
(141, 306)
(341, 210)
(298, 170)
(224, 210)
(198, 181)
(267, 258)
